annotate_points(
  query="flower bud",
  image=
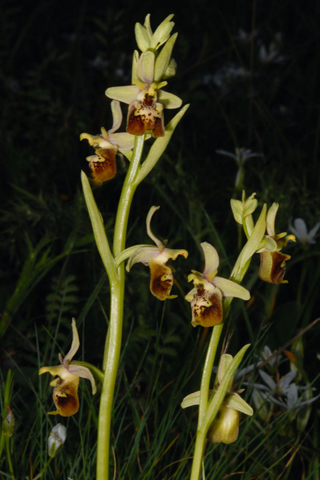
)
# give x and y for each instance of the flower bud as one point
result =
(56, 439)
(8, 423)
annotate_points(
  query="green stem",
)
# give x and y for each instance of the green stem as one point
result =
(113, 341)
(207, 370)
(9, 457)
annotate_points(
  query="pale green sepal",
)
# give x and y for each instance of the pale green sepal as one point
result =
(125, 254)
(271, 245)
(99, 230)
(169, 100)
(84, 372)
(148, 26)
(151, 235)
(216, 402)
(163, 59)
(231, 289)
(124, 139)
(142, 37)
(146, 67)
(237, 403)
(253, 242)
(159, 146)
(134, 71)
(116, 115)
(248, 225)
(271, 217)
(95, 370)
(126, 94)
(250, 205)
(237, 210)
(142, 255)
(75, 342)
(211, 260)
(191, 400)
(162, 33)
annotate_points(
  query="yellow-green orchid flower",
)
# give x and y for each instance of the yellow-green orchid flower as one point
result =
(161, 277)
(103, 163)
(206, 296)
(145, 96)
(272, 261)
(225, 427)
(65, 392)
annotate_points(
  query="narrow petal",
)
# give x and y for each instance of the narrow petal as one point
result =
(123, 140)
(230, 288)
(75, 342)
(169, 100)
(151, 212)
(271, 217)
(211, 260)
(116, 115)
(125, 94)
(84, 372)
(142, 255)
(237, 403)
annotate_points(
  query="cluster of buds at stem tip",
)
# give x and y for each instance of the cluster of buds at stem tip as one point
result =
(272, 260)
(150, 69)
(161, 277)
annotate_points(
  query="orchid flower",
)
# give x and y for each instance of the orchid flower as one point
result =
(65, 392)
(145, 96)
(161, 280)
(103, 163)
(300, 231)
(225, 427)
(272, 261)
(206, 296)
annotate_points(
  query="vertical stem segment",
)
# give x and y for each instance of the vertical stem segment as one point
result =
(113, 341)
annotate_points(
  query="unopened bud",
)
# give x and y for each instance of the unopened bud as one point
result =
(8, 423)
(56, 439)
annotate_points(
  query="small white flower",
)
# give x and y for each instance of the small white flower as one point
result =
(240, 156)
(56, 439)
(300, 231)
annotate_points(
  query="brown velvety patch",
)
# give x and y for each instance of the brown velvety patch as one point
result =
(103, 166)
(161, 280)
(207, 308)
(65, 397)
(273, 267)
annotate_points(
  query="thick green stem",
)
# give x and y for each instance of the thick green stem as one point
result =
(113, 342)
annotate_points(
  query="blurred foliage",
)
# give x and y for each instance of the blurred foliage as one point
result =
(250, 72)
